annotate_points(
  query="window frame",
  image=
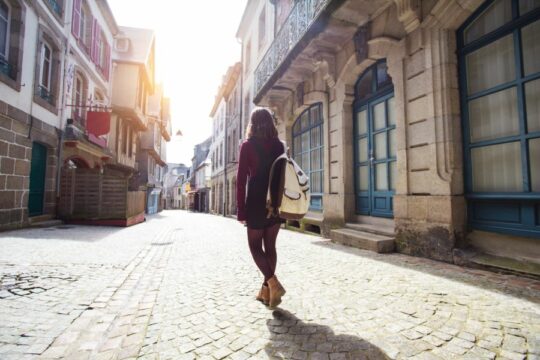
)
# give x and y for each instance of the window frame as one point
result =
(525, 199)
(298, 134)
(46, 46)
(78, 98)
(8, 31)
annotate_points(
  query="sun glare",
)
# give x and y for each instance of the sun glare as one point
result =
(195, 44)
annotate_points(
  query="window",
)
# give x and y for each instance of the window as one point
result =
(500, 95)
(56, 6)
(234, 145)
(125, 135)
(11, 42)
(130, 142)
(79, 98)
(46, 66)
(262, 28)
(308, 150)
(45, 73)
(4, 32)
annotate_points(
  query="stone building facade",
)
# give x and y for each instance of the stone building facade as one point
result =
(226, 137)
(31, 60)
(393, 108)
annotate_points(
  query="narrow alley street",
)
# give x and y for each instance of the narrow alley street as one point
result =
(181, 286)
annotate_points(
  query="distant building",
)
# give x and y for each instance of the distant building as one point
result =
(226, 137)
(199, 181)
(175, 175)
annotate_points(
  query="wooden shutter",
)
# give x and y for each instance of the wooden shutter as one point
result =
(107, 65)
(96, 38)
(76, 19)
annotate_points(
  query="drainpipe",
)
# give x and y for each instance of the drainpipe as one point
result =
(61, 129)
(225, 160)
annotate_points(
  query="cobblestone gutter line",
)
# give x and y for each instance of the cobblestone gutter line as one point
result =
(114, 324)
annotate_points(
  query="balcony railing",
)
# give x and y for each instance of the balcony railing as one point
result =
(45, 94)
(55, 6)
(6, 68)
(302, 16)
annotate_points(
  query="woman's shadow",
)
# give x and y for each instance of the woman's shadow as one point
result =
(291, 338)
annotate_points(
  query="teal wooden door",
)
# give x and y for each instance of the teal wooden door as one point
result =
(375, 142)
(37, 179)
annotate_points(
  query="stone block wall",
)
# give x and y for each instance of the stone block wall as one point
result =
(17, 134)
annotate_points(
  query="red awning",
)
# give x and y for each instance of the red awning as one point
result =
(98, 122)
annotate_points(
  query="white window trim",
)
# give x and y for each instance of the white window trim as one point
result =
(8, 30)
(41, 65)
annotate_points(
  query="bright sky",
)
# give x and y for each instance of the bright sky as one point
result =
(195, 44)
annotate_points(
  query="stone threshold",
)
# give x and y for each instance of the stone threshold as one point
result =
(472, 258)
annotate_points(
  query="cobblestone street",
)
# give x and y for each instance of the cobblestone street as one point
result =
(182, 285)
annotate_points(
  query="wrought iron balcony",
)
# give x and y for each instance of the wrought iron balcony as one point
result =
(55, 6)
(6, 68)
(302, 16)
(45, 94)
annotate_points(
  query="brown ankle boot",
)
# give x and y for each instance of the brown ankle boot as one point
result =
(276, 292)
(264, 295)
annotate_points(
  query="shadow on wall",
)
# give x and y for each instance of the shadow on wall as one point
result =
(293, 338)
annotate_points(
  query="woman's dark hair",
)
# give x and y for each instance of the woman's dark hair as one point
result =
(261, 124)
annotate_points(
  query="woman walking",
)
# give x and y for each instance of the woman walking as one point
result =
(257, 154)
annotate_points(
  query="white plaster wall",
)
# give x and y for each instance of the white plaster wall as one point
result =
(124, 77)
(252, 33)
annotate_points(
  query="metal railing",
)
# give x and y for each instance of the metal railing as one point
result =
(45, 94)
(6, 68)
(302, 16)
(55, 6)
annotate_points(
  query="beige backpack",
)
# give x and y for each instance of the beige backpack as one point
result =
(288, 191)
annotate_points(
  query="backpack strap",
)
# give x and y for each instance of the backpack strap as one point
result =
(273, 201)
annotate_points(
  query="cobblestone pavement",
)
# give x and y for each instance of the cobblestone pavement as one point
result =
(182, 286)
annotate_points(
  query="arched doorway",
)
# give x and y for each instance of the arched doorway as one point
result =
(499, 48)
(374, 142)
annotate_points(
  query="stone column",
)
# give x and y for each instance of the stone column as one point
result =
(429, 204)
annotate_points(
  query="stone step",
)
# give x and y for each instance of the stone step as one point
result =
(40, 218)
(373, 229)
(46, 223)
(363, 240)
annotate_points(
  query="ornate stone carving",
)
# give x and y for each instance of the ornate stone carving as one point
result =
(325, 62)
(409, 13)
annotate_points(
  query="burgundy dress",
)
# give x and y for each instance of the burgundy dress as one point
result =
(256, 158)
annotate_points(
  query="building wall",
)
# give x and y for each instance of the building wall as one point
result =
(23, 121)
(420, 49)
(126, 85)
